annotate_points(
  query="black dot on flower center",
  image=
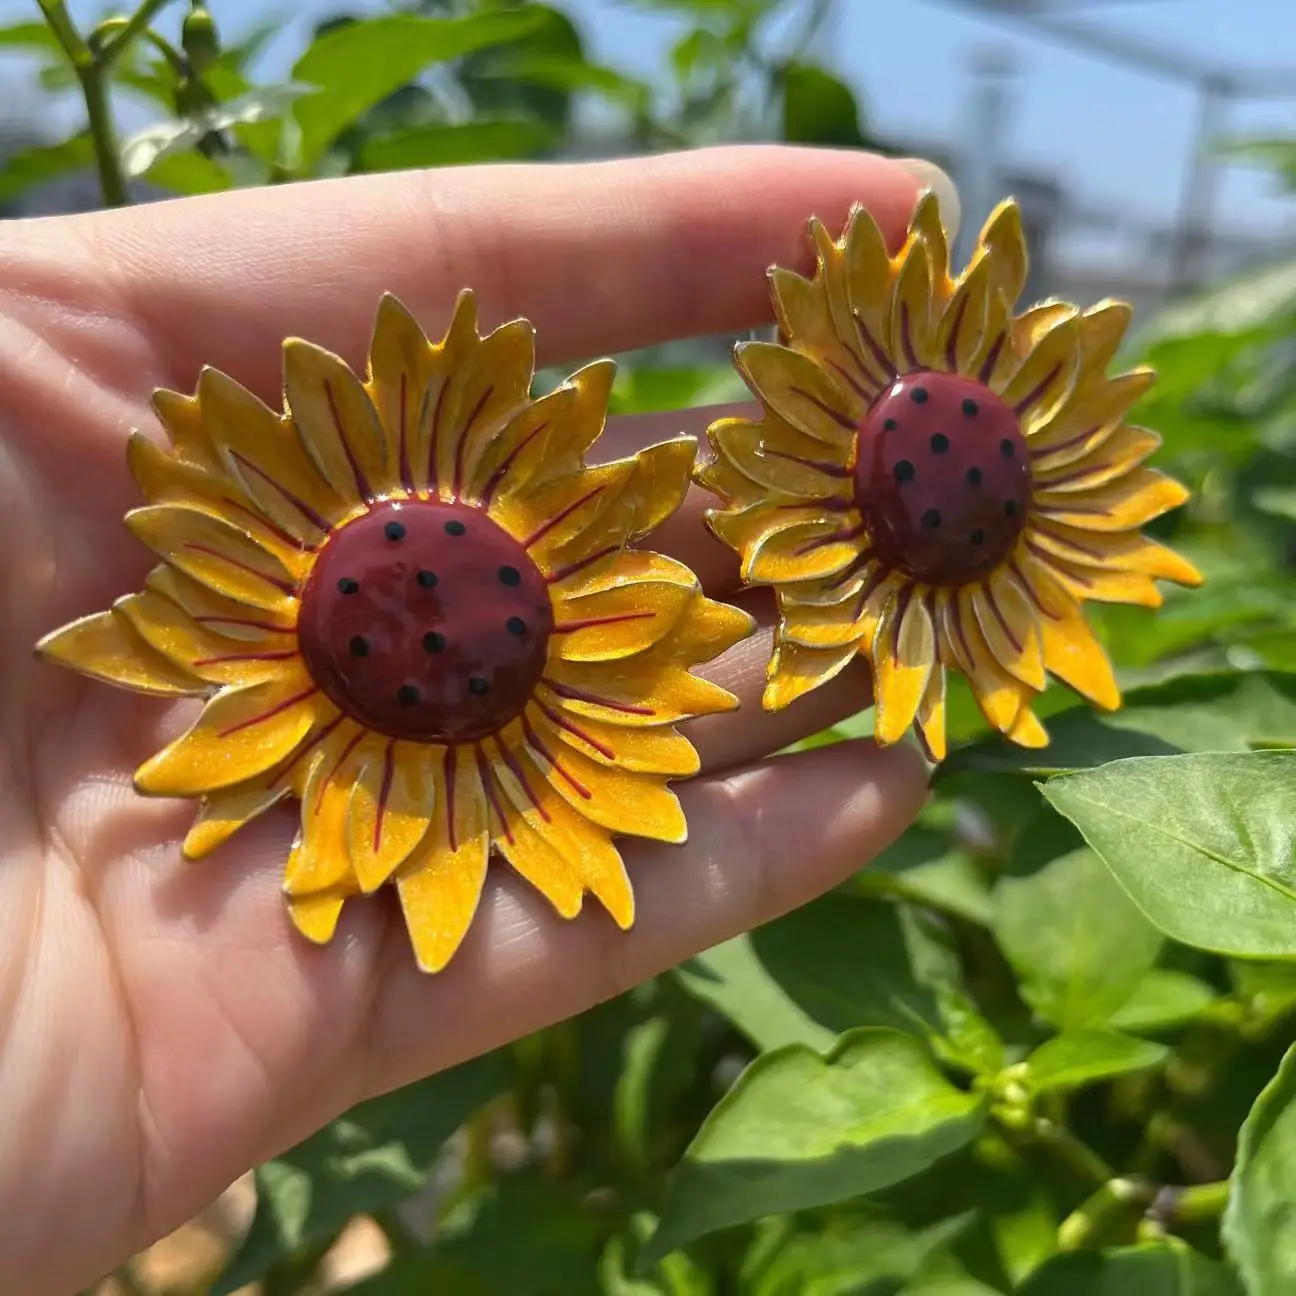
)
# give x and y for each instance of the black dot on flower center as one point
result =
(977, 537)
(515, 626)
(1006, 448)
(889, 425)
(427, 579)
(479, 686)
(408, 695)
(931, 519)
(919, 395)
(394, 531)
(455, 528)
(348, 586)
(359, 646)
(970, 407)
(904, 470)
(939, 442)
(1010, 508)
(974, 476)
(433, 642)
(509, 575)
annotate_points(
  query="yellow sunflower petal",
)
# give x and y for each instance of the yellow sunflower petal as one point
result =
(912, 331)
(337, 423)
(659, 750)
(223, 616)
(316, 916)
(223, 813)
(1122, 451)
(1005, 245)
(998, 694)
(800, 392)
(1102, 329)
(903, 657)
(391, 805)
(241, 733)
(1011, 630)
(217, 553)
(400, 368)
(320, 861)
(963, 321)
(441, 885)
(166, 628)
(1103, 585)
(795, 670)
(634, 694)
(1128, 502)
(1026, 730)
(181, 416)
(534, 859)
(107, 647)
(609, 624)
(1071, 651)
(927, 224)
(776, 456)
(260, 450)
(1083, 423)
(851, 621)
(1044, 377)
(1125, 551)
(929, 723)
(613, 798)
(993, 361)
(804, 551)
(860, 287)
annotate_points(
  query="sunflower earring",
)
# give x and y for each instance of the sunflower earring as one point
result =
(408, 603)
(936, 482)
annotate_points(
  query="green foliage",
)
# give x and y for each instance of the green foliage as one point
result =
(1031, 1049)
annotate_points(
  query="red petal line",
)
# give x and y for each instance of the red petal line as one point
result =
(1054, 482)
(902, 606)
(885, 363)
(316, 520)
(247, 657)
(483, 768)
(992, 358)
(822, 542)
(1046, 451)
(537, 745)
(361, 481)
(819, 465)
(433, 435)
(267, 626)
(860, 560)
(260, 519)
(837, 417)
(448, 763)
(855, 385)
(520, 774)
(905, 340)
(561, 573)
(463, 440)
(567, 627)
(870, 588)
(389, 771)
(282, 586)
(559, 517)
(956, 613)
(267, 715)
(1037, 391)
(501, 472)
(951, 347)
(1051, 562)
(1030, 592)
(337, 765)
(562, 723)
(999, 616)
(579, 695)
(310, 747)
(406, 469)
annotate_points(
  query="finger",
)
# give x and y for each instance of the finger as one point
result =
(762, 840)
(602, 257)
(750, 732)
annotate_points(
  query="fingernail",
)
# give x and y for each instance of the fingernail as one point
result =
(930, 176)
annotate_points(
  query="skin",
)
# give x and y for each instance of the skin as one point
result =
(162, 1028)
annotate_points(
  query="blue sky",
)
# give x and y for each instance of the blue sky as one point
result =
(1114, 136)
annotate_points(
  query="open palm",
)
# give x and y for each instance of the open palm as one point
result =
(163, 1026)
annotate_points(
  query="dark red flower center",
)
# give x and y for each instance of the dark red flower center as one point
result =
(942, 477)
(426, 621)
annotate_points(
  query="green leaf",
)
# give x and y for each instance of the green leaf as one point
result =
(373, 1157)
(1078, 943)
(189, 173)
(1080, 1058)
(819, 109)
(1203, 843)
(835, 963)
(30, 36)
(1259, 1226)
(1217, 711)
(438, 144)
(34, 166)
(356, 66)
(925, 868)
(800, 1130)
(646, 391)
(1164, 998)
(1168, 1268)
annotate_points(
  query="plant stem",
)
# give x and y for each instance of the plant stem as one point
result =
(135, 24)
(1098, 1215)
(1073, 1152)
(1196, 1204)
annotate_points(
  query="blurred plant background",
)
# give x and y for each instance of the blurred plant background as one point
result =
(1038, 1047)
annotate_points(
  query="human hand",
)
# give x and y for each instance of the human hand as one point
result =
(164, 1027)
